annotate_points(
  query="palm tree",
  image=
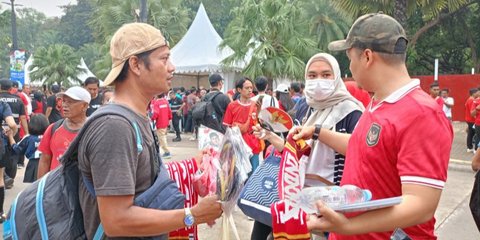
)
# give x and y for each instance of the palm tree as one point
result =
(272, 34)
(56, 64)
(326, 22)
(168, 15)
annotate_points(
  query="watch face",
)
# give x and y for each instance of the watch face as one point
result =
(189, 220)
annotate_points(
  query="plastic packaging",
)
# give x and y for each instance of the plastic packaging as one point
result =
(333, 196)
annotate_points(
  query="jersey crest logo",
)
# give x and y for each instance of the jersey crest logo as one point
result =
(373, 134)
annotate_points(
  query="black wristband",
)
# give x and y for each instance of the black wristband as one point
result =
(316, 133)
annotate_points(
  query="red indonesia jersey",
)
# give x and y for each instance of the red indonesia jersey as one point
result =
(406, 139)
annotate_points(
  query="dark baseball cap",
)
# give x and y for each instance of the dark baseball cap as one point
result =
(376, 31)
(215, 78)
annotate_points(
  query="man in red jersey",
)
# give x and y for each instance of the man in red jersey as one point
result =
(470, 119)
(400, 147)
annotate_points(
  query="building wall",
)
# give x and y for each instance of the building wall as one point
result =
(458, 86)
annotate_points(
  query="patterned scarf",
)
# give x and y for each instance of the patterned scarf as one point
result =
(289, 222)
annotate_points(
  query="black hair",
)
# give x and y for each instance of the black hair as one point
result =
(445, 90)
(144, 57)
(38, 124)
(241, 81)
(473, 91)
(91, 80)
(14, 84)
(261, 83)
(214, 79)
(5, 84)
(295, 86)
(285, 100)
(182, 89)
(434, 84)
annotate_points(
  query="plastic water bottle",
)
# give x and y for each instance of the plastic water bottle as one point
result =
(333, 196)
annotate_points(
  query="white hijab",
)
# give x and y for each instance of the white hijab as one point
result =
(337, 106)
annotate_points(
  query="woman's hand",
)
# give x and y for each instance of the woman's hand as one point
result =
(261, 133)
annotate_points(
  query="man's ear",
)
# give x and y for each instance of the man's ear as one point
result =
(134, 64)
(369, 56)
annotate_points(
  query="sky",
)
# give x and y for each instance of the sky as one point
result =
(49, 7)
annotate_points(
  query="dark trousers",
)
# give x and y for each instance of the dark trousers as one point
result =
(188, 122)
(12, 159)
(176, 122)
(260, 231)
(477, 136)
(470, 134)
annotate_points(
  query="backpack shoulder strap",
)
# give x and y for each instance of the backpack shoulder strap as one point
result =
(217, 110)
(56, 126)
(110, 109)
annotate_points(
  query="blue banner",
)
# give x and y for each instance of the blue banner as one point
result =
(17, 66)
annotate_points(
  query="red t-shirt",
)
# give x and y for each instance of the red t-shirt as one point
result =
(405, 139)
(468, 110)
(475, 103)
(239, 113)
(439, 101)
(57, 145)
(161, 112)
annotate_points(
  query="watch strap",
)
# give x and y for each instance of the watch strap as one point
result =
(316, 132)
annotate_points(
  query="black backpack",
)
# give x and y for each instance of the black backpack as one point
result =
(50, 208)
(208, 114)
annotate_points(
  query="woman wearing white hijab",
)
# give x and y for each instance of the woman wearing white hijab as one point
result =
(331, 106)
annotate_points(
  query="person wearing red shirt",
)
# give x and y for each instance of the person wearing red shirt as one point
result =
(161, 115)
(242, 113)
(75, 102)
(435, 93)
(358, 93)
(400, 147)
(470, 119)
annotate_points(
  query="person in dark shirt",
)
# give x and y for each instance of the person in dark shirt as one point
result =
(29, 144)
(176, 107)
(221, 101)
(8, 125)
(54, 109)
(92, 84)
(19, 115)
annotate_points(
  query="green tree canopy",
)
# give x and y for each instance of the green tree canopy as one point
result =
(56, 64)
(272, 34)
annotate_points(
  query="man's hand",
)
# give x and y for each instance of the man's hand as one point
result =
(327, 220)
(304, 133)
(207, 210)
(179, 112)
(199, 158)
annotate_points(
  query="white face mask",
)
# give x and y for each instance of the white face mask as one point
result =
(319, 89)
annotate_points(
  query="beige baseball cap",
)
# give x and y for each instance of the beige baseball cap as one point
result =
(129, 40)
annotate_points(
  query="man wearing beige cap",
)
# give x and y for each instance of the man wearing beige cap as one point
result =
(400, 147)
(109, 158)
(60, 134)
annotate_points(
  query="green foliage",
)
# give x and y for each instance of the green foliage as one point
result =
(72, 28)
(219, 11)
(272, 33)
(56, 64)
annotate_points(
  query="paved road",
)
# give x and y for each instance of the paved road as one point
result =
(454, 220)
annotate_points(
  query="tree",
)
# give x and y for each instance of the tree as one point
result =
(433, 10)
(73, 28)
(326, 22)
(219, 11)
(56, 64)
(272, 34)
(167, 15)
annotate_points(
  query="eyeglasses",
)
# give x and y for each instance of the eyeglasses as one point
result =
(70, 102)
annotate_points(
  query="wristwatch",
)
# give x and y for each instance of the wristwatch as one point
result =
(318, 127)
(189, 220)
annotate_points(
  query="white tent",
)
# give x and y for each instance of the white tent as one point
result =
(198, 53)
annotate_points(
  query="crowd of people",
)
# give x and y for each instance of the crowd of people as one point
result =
(376, 144)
